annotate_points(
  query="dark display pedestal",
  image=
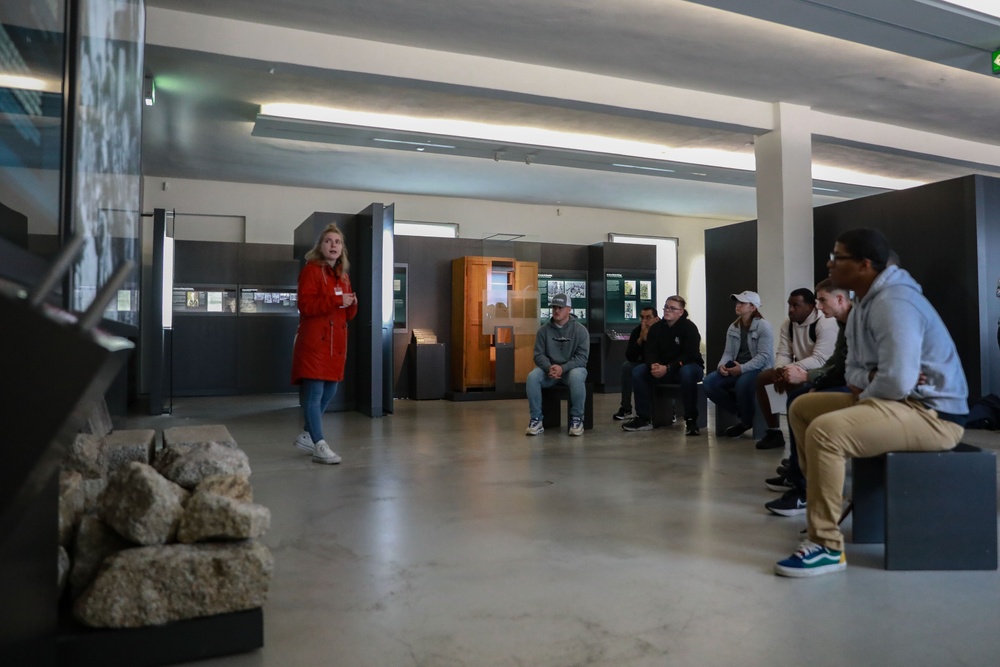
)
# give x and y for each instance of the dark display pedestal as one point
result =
(427, 380)
(173, 643)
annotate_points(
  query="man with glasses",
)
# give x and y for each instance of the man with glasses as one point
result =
(634, 357)
(893, 336)
(672, 356)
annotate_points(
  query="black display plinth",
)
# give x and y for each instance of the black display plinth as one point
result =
(427, 380)
(169, 644)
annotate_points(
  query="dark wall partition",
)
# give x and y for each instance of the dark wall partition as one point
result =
(730, 267)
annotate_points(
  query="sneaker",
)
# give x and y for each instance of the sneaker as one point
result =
(576, 426)
(323, 453)
(791, 503)
(782, 469)
(622, 414)
(773, 439)
(691, 427)
(534, 427)
(304, 442)
(779, 483)
(638, 424)
(811, 560)
(736, 430)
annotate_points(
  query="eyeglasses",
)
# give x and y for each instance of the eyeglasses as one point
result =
(835, 257)
(671, 308)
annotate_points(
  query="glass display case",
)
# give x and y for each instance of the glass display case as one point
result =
(268, 301)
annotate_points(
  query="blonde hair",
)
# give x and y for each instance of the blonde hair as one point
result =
(314, 255)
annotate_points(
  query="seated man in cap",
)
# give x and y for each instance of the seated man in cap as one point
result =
(562, 346)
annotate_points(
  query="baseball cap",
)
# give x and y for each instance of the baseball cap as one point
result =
(747, 297)
(560, 300)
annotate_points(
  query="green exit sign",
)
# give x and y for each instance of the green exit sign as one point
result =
(996, 62)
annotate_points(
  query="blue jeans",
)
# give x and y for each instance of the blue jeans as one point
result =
(736, 395)
(316, 397)
(627, 368)
(539, 379)
(687, 376)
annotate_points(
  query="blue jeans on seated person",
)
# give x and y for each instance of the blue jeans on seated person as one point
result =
(736, 395)
(687, 376)
(316, 397)
(574, 379)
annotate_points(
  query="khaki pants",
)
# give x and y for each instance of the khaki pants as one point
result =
(832, 427)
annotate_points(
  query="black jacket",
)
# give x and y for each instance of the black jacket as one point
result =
(634, 351)
(677, 344)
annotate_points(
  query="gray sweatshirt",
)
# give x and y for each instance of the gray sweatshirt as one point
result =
(567, 346)
(895, 331)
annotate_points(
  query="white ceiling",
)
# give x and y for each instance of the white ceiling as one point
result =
(207, 101)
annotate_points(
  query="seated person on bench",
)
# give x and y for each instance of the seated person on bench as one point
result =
(562, 347)
(893, 334)
(805, 341)
(672, 356)
(634, 357)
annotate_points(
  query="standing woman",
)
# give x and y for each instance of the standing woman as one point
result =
(326, 303)
(749, 350)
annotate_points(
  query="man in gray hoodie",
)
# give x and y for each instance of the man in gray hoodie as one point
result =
(562, 346)
(893, 335)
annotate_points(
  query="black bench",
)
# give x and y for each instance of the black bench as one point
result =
(666, 401)
(932, 510)
(551, 414)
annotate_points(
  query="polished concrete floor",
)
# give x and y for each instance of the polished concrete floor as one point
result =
(447, 537)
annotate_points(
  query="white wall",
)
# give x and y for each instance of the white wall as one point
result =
(272, 213)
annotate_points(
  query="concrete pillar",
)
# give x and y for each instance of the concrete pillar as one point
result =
(784, 209)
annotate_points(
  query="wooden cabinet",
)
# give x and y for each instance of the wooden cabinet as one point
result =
(487, 292)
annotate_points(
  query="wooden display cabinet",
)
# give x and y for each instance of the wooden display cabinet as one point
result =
(494, 290)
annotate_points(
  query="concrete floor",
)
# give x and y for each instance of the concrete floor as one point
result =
(447, 537)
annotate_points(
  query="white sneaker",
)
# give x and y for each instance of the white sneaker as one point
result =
(304, 442)
(534, 427)
(576, 426)
(323, 453)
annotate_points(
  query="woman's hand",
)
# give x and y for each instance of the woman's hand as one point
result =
(350, 298)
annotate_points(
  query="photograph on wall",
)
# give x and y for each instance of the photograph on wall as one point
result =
(213, 302)
(630, 310)
(576, 289)
(645, 290)
(248, 303)
(581, 313)
(556, 287)
(629, 288)
(193, 300)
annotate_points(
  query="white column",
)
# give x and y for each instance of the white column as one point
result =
(784, 209)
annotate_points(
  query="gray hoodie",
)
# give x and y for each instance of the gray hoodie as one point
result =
(568, 346)
(896, 331)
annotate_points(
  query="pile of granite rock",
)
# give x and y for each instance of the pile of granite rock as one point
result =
(148, 536)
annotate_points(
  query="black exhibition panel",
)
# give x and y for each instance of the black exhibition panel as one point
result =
(622, 277)
(730, 268)
(373, 341)
(205, 355)
(947, 236)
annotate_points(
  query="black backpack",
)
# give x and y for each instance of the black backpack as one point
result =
(812, 330)
(985, 413)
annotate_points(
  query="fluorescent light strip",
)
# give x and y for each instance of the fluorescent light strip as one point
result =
(27, 83)
(533, 136)
(635, 166)
(825, 189)
(425, 144)
(988, 7)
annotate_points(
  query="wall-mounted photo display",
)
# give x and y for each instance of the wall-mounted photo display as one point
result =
(269, 301)
(624, 295)
(191, 300)
(571, 283)
(399, 297)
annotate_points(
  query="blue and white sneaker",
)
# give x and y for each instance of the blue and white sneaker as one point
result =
(811, 560)
(534, 427)
(576, 426)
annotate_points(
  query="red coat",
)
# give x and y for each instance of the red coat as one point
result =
(321, 341)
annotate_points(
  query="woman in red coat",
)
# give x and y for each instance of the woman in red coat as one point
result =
(326, 303)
